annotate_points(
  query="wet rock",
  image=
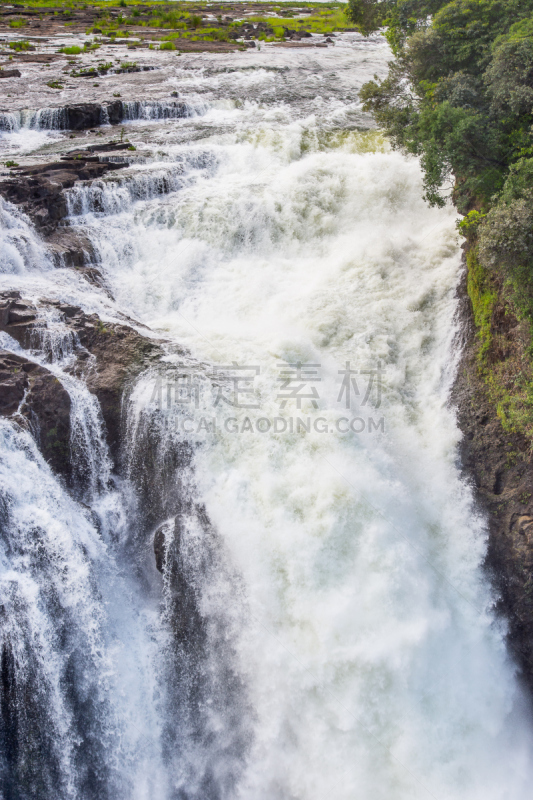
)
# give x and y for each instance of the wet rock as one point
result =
(34, 398)
(159, 547)
(39, 189)
(115, 112)
(110, 355)
(83, 115)
(71, 248)
(9, 73)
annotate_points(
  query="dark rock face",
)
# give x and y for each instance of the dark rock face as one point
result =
(501, 467)
(36, 399)
(40, 192)
(89, 115)
(109, 357)
(83, 116)
(9, 73)
(39, 189)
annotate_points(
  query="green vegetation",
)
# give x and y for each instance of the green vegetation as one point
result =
(71, 51)
(17, 23)
(10, 164)
(54, 85)
(483, 296)
(166, 21)
(459, 94)
(21, 46)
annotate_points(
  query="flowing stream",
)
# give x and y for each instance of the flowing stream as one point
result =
(323, 556)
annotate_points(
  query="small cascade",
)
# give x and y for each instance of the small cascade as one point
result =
(55, 345)
(66, 117)
(40, 119)
(118, 194)
(20, 248)
(160, 109)
(114, 195)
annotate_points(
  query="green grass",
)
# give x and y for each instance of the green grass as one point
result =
(55, 85)
(17, 23)
(71, 51)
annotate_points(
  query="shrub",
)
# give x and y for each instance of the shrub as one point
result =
(71, 51)
(506, 246)
(22, 45)
(167, 46)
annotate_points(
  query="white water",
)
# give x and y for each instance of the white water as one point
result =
(360, 625)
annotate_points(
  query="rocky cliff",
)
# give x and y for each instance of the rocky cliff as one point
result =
(499, 464)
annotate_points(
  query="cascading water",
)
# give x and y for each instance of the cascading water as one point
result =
(316, 621)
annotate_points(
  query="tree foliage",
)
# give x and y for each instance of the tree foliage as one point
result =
(459, 92)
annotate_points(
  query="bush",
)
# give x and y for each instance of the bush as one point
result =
(506, 246)
(469, 225)
(167, 46)
(71, 51)
(19, 46)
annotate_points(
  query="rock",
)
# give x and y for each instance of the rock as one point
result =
(32, 396)
(500, 465)
(160, 539)
(119, 354)
(70, 247)
(83, 115)
(114, 112)
(9, 73)
(39, 189)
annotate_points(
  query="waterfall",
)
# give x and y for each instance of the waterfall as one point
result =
(274, 586)
(20, 249)
(38, 119)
